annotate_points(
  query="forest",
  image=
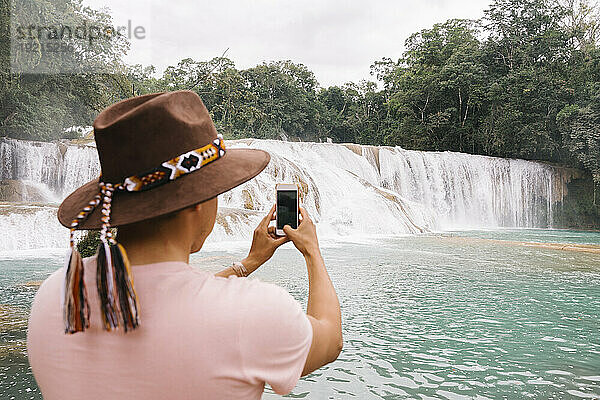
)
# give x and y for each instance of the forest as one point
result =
(523, 81)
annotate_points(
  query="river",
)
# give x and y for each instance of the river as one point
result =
(424, 316)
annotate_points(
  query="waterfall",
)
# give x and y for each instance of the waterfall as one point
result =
(348, 189)
(26, 227)
(59, 166)
(468, 191)
(337, 187)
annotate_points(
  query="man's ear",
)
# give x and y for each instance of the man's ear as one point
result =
(197, 209)
(201, 207)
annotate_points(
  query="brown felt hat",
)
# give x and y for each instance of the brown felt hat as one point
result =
(138, 135)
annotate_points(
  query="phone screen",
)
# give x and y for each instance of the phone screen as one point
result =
(287, 208)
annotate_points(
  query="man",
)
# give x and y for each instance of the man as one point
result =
(136, 321)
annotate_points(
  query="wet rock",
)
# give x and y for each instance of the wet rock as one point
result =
(30, 284)
(62, 148)
(247, 199)
(397, 201)
(12, 318)
(228, 218)
(367, 151)
(8, 208)
(19, 191)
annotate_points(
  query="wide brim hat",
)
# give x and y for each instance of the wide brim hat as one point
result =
(136, 137)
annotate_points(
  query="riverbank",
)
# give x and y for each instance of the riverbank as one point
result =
(582, 248)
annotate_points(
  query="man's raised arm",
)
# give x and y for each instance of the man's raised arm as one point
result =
(323, 308)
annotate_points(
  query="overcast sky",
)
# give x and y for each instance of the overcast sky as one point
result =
(337, 40)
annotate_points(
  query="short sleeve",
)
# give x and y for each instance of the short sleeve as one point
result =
(275, 337)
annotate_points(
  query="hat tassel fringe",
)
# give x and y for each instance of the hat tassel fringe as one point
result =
(76, 307)
(76, 310)
(118, 299)
(116, 291)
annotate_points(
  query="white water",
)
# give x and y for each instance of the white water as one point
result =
(350, 190)
(468, 191)
(30, 227)
(62, 168)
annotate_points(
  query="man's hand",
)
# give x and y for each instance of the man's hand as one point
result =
(264, 243)
(305, 237)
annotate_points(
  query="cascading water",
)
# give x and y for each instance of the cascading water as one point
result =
(338, 187)
(348, 189)
(468, 191)
(59, 166)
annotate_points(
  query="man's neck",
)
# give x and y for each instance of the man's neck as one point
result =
(150, 251)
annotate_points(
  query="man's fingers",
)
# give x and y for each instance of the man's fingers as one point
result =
(272, 232)
(281, 240)
(265, 221)
(304, 214)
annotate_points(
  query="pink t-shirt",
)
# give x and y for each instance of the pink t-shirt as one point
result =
(200, 337)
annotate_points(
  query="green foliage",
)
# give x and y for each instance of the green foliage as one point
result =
(272, 100)
(580, 122)
(88, 244)
(41, 105)
(580, 208)
(437, 88)
(497, 86)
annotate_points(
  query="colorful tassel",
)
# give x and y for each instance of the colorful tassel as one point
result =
(125, 288)
(76, 310)
(118, 299)
(76, 307)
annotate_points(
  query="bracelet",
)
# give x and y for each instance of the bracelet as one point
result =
(239, 269)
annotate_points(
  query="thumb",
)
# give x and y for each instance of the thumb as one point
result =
(281, 240)
(289, 231)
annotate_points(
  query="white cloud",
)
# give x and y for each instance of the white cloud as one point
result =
(338, 40)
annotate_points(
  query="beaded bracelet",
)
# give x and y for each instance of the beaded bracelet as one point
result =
(239, 269)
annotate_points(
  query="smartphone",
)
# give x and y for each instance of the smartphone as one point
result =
(287, 207)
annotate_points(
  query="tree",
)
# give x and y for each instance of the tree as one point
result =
(582, 21)
(528, 55)
(285, 95)
(437, 88)
(580, 122)
(44, 96)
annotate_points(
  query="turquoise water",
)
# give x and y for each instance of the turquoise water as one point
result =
(423, 317)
